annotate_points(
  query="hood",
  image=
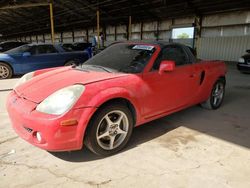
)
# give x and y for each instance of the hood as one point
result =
(4, 55)
(41, 86)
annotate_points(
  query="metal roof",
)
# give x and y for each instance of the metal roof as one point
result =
(73, 14)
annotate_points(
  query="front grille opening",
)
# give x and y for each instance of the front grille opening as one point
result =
(28, 129)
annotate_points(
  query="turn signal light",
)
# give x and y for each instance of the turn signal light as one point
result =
(69, 122)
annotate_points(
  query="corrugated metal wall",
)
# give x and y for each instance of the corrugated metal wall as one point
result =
(223, 48)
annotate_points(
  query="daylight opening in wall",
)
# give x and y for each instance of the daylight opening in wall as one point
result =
(183, 35)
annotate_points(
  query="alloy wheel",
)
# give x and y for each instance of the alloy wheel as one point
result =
(112, 130)
(4, 72)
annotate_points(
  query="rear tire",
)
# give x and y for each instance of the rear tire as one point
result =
(109, 130)
(5, 71)
(216, 97)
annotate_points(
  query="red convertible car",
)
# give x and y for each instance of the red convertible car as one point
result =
(100, 102)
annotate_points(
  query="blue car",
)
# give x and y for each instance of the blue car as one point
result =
(32, 57)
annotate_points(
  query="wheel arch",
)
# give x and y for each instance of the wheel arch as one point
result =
(123, 101)
(117, 100)
(222, 78)
(7, 63)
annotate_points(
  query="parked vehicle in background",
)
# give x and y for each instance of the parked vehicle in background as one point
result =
(100, 102)
(67, 46)
(82, 45)
(5, 46)
(77, 46)
(32, 57)
(244, 63)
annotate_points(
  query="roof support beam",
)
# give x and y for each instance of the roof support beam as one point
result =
(27, 5)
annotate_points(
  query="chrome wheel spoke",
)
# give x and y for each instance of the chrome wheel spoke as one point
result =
(111, 142)
(218, 94)
(4, 72)
(118, 121)
(112, 130)
(215, 100)
(106, 133)
(109, 122)
(120, 131)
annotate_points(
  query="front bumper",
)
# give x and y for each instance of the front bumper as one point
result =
(243, 67)
(26, 121)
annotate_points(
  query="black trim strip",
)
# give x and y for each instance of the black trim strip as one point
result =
(3, 90)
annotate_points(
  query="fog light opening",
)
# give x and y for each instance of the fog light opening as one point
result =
(38, 136)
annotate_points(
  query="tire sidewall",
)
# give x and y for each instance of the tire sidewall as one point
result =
(91, 140)
(211, 95)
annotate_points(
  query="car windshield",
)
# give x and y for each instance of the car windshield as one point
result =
(18, 50)
(122, 57)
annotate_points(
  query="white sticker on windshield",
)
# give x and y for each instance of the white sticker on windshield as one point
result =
(143, 47)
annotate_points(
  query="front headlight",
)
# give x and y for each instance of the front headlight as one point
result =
(24, 79)
(241, 60)
(61, 101)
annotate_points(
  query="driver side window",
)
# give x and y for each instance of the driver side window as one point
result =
(43, 49)
(172, 52)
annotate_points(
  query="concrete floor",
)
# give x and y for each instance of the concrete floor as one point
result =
(192, 148)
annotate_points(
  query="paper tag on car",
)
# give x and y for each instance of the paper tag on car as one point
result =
(143, 47)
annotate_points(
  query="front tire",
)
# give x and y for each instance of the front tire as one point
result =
(5, 71)
(110, 130)
(216, 97)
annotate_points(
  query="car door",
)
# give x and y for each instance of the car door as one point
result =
(171, 90)
(42, 56)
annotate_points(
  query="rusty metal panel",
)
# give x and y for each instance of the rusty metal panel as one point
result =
(222, 19)
(121, 37)
(150, 26)
(67, 37)
(148, 36)
(165, 25)
(121, 29)
(110, 30)
(40, 38)
(80, 33)
(33, 38)
(80, 39)
(110, 38)
(164, 35)
(223, 48)
(136, 27)
(211, 32)
(136, 36)
(80, 36)
(183, 21)
(224, 31)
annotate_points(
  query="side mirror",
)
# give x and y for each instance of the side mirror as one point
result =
(26, 54)
(166, 66)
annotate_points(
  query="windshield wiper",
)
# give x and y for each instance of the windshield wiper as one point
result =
(81, 69)
(101, 67)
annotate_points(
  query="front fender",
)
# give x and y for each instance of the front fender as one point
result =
(114, 93)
